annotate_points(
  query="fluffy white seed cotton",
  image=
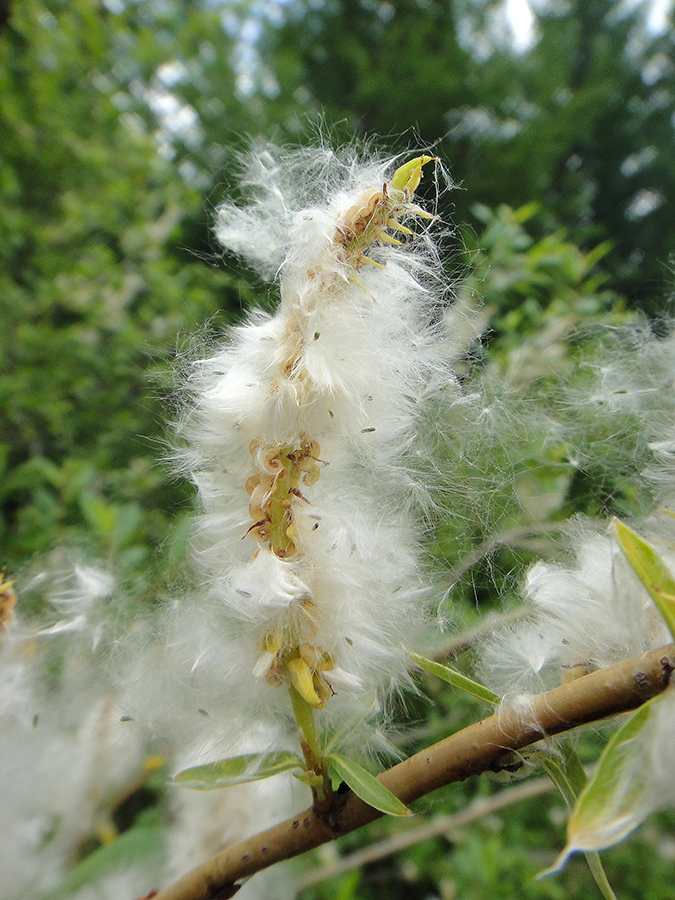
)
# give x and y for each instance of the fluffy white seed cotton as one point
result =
(583, 616)
(593, 611)
(301, 431)
(64, 751)
(92, 706)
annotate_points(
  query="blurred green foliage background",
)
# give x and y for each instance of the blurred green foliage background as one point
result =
(119, 128)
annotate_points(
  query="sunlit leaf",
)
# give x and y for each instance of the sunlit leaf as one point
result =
(238, 770)
(650, 569)
(565, 770)
(456, 679)
(613, 802)
(367, 787)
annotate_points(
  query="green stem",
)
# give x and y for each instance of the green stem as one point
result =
(598, 872)
(311, 749)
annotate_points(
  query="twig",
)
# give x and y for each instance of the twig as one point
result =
(442, 824)
(483, 746)
(492, 622)
(514, 537)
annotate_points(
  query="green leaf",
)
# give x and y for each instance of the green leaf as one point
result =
(238, 770)
(563, 770)
(367, 787)
(650, 569)
(311, 779)
(456, 679)
(613, 802)
(567, 774)
(102, 517)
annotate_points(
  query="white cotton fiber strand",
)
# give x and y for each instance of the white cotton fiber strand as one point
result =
(583, 616)
(86, 722)
(594, 612)
(301, 430)
(61, 760)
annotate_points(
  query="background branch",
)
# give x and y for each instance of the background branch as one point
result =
(515, 538)
(492, 623)
(483, 746)
(440, 825)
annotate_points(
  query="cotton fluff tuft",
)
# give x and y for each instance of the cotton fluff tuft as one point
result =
(593, 612)
(300, 433)
(582, 617)
(63, 749)
(619, 417)
(91, 704)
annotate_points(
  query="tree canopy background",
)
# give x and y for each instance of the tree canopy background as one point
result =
(119, 127)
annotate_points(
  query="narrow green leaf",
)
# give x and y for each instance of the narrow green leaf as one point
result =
(238, 770)
(650, 569)
(574, 769)
(613, 802)
(567, 774)
(456, 679)
(562, 772)
(367, 787)
(604, 813)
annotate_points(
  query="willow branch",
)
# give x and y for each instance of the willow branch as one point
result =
(442, 824)
(485, 745)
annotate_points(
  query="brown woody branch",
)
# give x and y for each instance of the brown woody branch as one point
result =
(484, 746)
(441, 824)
